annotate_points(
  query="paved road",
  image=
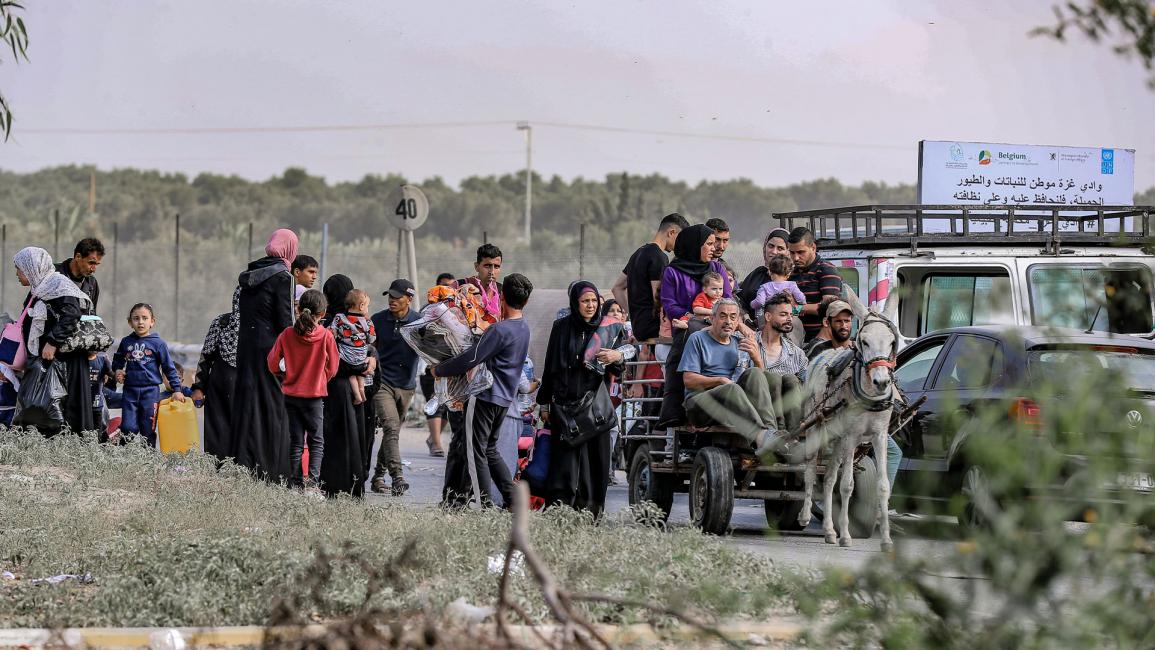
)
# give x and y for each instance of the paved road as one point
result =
(801, 550)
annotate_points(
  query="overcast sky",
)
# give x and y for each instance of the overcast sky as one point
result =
(861, 83)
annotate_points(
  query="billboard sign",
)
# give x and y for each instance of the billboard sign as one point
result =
(992, 174)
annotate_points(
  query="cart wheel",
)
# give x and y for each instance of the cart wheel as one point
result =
(863, 501)
(712, 491)
(648, 486)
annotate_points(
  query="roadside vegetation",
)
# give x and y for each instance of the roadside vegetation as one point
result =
(170, 541)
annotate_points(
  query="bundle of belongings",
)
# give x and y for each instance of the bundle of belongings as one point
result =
(440, 333)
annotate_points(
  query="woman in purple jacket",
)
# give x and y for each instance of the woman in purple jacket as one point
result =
(682, 279)
(681, 282)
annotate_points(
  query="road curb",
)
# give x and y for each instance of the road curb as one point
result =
(253, 635)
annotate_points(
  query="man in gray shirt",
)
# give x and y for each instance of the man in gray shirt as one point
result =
(719, 391)
(503, 349)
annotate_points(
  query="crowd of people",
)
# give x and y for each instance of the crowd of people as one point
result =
(294, 370)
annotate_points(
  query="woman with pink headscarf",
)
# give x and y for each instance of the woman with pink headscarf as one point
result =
(258, 423)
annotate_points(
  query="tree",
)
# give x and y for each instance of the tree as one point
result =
(14, 34)
(1131, 23)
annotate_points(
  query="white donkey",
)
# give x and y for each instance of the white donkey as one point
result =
(867, 387)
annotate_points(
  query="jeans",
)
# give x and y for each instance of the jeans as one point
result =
(306, 426)
(893, 459)
(391, 404)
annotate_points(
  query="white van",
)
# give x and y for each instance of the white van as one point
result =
(955, 265)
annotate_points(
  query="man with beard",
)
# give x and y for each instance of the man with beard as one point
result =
(780, 354)
(839, 320)
(81, 268)
(721, 388)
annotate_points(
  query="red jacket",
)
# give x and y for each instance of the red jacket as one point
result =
(310, 361)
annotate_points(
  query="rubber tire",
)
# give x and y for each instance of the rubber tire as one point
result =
(783, 515)
(645, 485)
(863, 502)
(712, 491)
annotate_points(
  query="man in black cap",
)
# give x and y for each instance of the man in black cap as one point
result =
(396, 379)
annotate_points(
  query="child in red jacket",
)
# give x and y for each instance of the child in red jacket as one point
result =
(311, 359)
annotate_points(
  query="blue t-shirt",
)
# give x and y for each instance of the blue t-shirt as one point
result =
(707, 357)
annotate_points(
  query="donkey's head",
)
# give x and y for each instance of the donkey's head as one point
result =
(877, 341)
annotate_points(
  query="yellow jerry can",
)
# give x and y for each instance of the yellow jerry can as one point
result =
(176, 426)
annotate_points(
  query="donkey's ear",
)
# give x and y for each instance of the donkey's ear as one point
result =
(860, 310)
(890, 312)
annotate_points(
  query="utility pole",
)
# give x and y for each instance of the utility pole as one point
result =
(524, 126)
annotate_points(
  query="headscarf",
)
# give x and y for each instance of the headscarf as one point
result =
(688, 251)
(780, 233)
(45, 284)
(224, 332)
(576, 290)
(283, 244)
(336, 288)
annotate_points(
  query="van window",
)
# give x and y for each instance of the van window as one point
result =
(849, 275)
(1100, 298)
(958, 300)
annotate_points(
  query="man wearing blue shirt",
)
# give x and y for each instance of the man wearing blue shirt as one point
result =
(722, 391)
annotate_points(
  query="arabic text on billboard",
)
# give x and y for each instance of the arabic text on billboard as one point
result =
(981, 173)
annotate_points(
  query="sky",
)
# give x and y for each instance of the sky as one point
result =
(776, 92)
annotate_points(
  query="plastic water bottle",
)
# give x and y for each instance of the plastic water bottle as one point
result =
(743, 356)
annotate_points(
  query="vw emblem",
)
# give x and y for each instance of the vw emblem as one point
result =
(1134, 418)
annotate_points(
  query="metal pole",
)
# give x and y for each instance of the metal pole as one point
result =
(412, 261)
(56, 234)
(485, 236)
(249, 256)
(582, 251)
(524, 126)
(115, 266)
(400, 236)
(176, 281)
(324, 248)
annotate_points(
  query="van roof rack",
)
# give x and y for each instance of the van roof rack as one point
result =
(878, 226)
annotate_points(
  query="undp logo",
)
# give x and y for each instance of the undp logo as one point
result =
(984, 157)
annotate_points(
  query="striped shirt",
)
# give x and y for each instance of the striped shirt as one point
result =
(818, 280)
(791, 360)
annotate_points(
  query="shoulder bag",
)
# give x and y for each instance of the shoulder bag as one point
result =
(581, 420)
(91, 336)
(12, 349)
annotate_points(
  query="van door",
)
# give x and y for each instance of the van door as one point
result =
(935, 296)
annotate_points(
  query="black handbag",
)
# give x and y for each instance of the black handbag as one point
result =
(91, 335)
(581, 420)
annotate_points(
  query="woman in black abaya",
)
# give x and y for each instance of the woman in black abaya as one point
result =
(578, 474)
(259, 428)
(348, 439)
(216, 379)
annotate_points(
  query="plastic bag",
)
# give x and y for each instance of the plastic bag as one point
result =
(39, 402)
(439, 334)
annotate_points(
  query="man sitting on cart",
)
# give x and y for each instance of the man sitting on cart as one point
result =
(726, 383)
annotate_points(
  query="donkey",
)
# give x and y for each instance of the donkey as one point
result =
(867, 387)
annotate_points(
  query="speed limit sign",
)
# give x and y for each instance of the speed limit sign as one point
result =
(408, 208)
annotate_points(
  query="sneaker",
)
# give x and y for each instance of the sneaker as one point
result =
(399, 488)
(378, 485)
(770, 442)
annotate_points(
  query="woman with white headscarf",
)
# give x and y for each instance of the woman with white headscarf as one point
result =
(55, 305)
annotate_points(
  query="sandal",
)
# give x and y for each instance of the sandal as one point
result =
(434, 450)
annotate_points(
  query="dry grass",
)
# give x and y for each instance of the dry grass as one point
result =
(173, 541)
